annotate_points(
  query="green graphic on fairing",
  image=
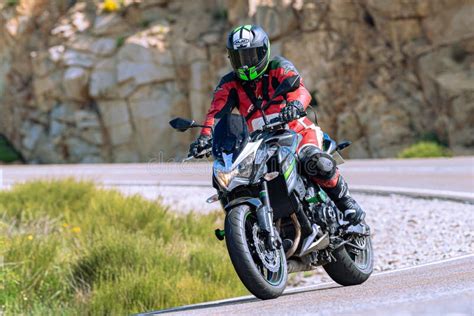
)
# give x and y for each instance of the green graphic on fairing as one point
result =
(320, 197)
(290, 169)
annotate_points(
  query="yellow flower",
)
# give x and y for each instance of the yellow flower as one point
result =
(30, 237)
(110, 5)
(76, 229)
(65, 225)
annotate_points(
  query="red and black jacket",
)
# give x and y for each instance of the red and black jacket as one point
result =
(233, 93)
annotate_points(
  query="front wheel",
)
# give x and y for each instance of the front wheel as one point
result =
(354, 262)
(263, 272)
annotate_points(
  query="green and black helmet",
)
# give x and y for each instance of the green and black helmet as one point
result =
(249, 51)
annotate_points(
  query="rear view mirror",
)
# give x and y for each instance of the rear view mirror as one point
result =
(343, 145)
(182, 124)
(288, 85)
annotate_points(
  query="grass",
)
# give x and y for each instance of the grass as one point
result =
(425, 149)
(70, 248)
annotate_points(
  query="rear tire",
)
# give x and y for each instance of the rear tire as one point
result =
(246, 263)
(345, 271)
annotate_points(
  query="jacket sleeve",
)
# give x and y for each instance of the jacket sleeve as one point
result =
(285, 69)
(224, 100)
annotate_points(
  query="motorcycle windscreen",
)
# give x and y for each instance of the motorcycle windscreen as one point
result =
(231, 135)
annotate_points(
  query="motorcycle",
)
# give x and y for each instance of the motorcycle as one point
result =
(277, 220)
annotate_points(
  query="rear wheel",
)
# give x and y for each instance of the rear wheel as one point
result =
(263, 272)
(354, 262)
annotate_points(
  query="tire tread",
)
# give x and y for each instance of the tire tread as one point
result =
(344, 271)
(242, 259)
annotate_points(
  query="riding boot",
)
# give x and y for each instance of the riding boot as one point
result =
(338, 191)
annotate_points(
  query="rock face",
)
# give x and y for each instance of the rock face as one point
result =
(81, 85)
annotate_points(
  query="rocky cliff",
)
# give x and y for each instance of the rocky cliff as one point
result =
(81, 84)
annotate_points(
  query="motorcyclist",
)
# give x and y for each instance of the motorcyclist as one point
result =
(252, 82)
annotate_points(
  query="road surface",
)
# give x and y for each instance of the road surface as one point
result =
(436, 289)
(444, 288)
(455, 174)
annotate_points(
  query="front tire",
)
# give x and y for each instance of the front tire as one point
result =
(239, 231)
(351, 269)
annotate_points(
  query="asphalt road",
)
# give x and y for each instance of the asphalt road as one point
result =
(437, 289)
(455, 174)
(443, 288)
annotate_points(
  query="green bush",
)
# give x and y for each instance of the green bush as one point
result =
(425, 149)
(71, 248)
(220, 14)
(119, 41)
(7, 152)
(12, 3)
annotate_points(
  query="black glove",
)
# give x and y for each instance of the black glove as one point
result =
(292, 111)
(201, 143)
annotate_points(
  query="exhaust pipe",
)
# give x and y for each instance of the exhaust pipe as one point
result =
(296, 241)
(298, 266)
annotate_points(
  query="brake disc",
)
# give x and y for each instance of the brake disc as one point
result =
(270, 258)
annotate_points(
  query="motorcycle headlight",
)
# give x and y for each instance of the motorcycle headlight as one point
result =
(246, 166)
(225, 177)
(242, 170)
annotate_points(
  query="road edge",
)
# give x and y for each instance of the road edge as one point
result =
(463, 197)
(457, 196)
(293, 290)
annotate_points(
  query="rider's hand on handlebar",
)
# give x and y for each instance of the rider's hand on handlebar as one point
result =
(202, 143)
(292, 111)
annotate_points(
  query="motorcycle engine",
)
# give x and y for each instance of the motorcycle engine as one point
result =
(326, 216)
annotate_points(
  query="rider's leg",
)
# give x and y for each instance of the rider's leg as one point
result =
(321, 168)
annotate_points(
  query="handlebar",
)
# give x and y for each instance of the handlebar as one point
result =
(275, 122)
(278, 121)
(199, 155)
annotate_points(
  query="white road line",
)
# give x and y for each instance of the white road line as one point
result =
(309, 287)
(301, 289)
(376, 190)
(416, 193)
(425, 264)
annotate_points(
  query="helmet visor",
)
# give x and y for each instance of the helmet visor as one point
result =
(246, 57)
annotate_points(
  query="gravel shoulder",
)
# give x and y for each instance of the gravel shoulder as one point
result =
(406, 231)
(409, 231)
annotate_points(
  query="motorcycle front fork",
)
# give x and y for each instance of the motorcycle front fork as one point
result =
(265, 219)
